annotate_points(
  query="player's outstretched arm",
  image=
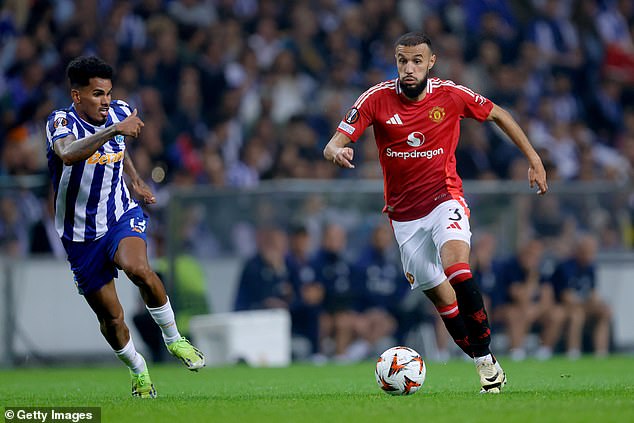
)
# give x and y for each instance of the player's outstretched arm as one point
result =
(137, 185)
(536, 171)
(337, 152)
(72, 150)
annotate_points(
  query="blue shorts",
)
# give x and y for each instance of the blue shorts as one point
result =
(92, 262)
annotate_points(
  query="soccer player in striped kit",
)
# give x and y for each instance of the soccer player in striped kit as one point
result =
(416, 122)
(101, 226)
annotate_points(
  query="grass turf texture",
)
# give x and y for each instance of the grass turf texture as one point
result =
(587, 390)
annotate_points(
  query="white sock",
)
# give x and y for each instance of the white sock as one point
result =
(131, 358)
(479, 360)
(164, 317)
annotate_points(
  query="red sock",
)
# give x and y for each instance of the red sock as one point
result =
(471, 305)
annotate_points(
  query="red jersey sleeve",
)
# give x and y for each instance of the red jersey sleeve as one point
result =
(361, 114)
(472, 104)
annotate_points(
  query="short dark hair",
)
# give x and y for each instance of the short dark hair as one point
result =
(81, 69)
(413, 39)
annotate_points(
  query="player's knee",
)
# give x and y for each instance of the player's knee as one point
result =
(139, 272)
(112, 321)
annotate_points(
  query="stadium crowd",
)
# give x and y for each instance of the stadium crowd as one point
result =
(234, 92)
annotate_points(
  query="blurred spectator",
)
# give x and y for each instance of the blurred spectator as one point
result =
(529, 299)
(486, 270)
(194, 13)
(576, 287)
(43, 236)
(308, 306)
(381, 289)
(334, 271)
(13, 234)
(289, 87)
(556, 38)
(267, 280)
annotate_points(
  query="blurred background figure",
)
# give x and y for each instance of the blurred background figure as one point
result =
(309, 303)
(333, 270)
(381, 289)
(267, 279)
(575, 286)
(529, 299)
(486, 270)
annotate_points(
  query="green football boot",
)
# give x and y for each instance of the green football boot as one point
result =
(191, 356)
(142, 386)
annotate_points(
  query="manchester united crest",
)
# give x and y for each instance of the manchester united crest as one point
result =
(437, 114)
(410, 278)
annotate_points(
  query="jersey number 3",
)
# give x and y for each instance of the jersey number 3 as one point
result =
(457, 216)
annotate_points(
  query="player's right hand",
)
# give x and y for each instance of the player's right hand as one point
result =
(343, 157)
(537, 176)
(130, 126)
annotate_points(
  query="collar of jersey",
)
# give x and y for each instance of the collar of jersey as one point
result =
(90, 127)
(403, 98)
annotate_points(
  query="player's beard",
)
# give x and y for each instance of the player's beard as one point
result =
(97, 122)
(413, 92)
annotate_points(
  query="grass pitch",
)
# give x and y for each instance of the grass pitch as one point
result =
(587, 390)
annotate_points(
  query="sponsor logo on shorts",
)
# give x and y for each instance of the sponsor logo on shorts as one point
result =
(417, 154)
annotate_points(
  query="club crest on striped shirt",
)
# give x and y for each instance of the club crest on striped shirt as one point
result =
(137, 225)
(60, 121)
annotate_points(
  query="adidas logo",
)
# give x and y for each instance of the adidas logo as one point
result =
(454, 225)
(394, 120)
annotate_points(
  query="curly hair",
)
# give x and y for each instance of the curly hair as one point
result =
(81, 69)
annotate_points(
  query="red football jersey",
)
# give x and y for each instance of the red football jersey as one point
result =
(416, 141)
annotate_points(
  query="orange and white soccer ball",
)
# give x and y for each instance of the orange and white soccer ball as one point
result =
(400, 371)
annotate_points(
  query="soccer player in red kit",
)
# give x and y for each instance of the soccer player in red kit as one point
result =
(416, 121)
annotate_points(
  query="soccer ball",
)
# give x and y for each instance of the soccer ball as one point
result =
(400, 371)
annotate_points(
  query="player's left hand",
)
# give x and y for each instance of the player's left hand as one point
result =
(143, 191)
(537, 176)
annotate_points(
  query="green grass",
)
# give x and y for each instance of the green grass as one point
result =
(587, 390)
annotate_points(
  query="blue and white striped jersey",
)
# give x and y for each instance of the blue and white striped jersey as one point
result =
(90, 196)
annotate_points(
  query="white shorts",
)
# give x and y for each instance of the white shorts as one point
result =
(420, 242)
